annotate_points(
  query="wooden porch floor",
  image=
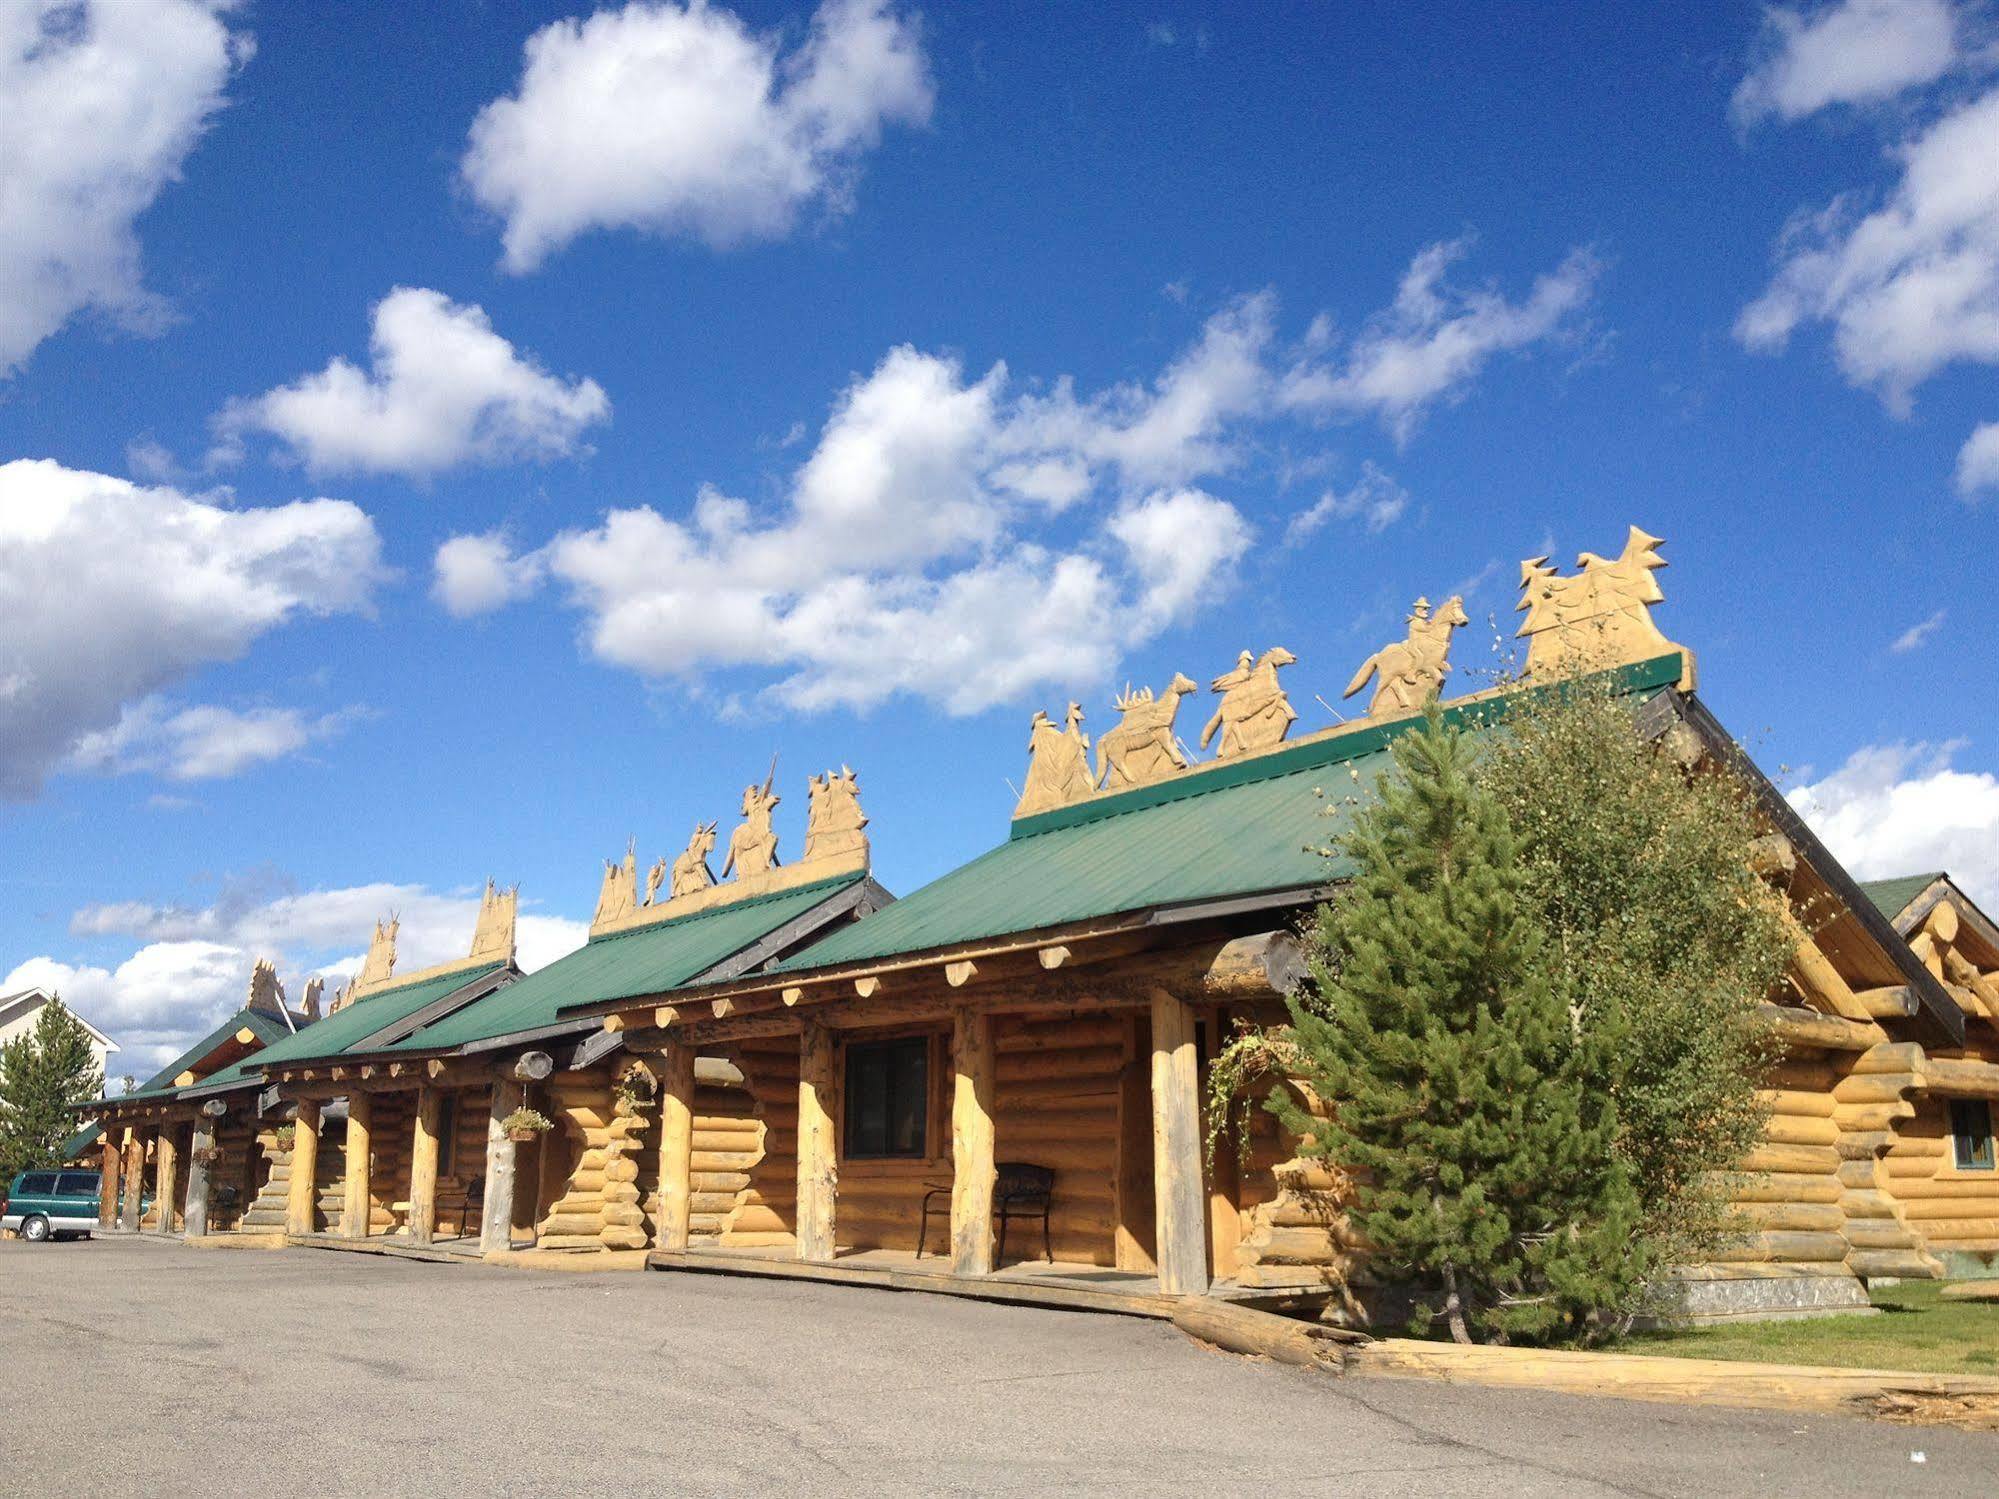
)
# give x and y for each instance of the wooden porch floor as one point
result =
(1064, 1284)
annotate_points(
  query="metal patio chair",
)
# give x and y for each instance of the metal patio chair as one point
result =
(1021, 1190)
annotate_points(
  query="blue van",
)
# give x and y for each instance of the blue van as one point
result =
(44, 1205)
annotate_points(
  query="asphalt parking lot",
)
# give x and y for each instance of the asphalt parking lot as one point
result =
(145, 1367)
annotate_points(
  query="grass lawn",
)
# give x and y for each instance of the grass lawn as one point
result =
(1915, 1330)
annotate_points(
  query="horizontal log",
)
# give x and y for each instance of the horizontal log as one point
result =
(1802, 1027)
(1241, 1329)
(1793, 1129)
(1082, 1062)
(1811, 1216)
(1961, 1077)
(1878, 1233)
(1291, 1246)
(1784, 1248)
(1094, 1031)
(1945, 1197)
(1803, 1160)
(1797, 1102)
(718, 1181)
(1785, 1186)
(1912, 1264)
(737, 1240)
(1870, 1118)
(1875, 1087)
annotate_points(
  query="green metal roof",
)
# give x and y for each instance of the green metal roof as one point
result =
(1237, 828)
(1891, 897)
(267, 1027)
(621, 965)
(81, 1141)
(335, 1033)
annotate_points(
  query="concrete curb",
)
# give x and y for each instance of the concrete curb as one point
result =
(1965, 1400)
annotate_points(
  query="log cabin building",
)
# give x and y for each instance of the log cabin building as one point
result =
(995, 1085)
(1033, 1030)
(434, 1089)
(204, 1172)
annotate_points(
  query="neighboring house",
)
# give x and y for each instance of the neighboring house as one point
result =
(19, 1012)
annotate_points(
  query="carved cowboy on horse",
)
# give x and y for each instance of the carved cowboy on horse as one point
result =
(1411, 670)
(1254, 712)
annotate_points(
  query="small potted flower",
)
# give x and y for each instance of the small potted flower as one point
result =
(524, 1125)
(205, 1155)
(286, 1134)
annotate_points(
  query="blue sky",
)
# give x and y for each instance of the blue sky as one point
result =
(450, 440)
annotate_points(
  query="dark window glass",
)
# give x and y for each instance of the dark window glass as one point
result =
(1971, 1134)
(38, 1183)
(77, 1184)
(888, 1099)
(447, 1135)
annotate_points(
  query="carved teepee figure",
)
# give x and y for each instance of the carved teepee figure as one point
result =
(1143, 747)
(1254, 712)
(314, 988)
(1600, 616)
(834, 820)
(493, 936)
(690, 871)
(380, 963)
(618, 896)
(1407, 672)
(1058, 763)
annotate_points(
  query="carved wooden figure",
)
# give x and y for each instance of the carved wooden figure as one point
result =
(619, 894)
(1142, 747)
(690, 871)
(1058, 763)
(753, 845)
(493, 936)
(834, 823)
(1601, 616)
(1254, 713)
(1409, 671)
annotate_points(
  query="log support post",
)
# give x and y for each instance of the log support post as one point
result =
(676, 1145)
(134, 1181)
(423, 1165)
(302, 1190)
(818, 1143)
(1178, 1191)
(109, 1159)
(972, 1165)
(199, 1176)
(496, 1216)
(166, 1178)
(359, 1205)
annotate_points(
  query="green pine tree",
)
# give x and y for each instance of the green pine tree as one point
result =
(1484, 1169)
(42, 1073)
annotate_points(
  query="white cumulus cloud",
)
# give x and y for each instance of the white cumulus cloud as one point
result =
(102, 102)
(192, 967)
(200, 743)
(112, 591)
(679, 120)
(1435, 338)
(478, 574)
(445, 390)
(1852, 52)
(1978, 461)
(1910, 287)
(1375, 500)
(1896, 809)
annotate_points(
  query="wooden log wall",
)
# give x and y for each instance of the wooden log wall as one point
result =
(1956, 1211)
(467, 1158)
(392, 1145)
(745, 1181)
(1294, 1229)
(1055, 1104)
(330, 1175)
(266, 1213)
(238, 1175)
(581, 1105)
(1881, 1241)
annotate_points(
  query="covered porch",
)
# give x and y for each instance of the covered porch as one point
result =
(898, 1114)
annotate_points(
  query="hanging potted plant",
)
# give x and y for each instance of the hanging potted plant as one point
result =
(205, 1155)
(524, 1125)
(285, 1135)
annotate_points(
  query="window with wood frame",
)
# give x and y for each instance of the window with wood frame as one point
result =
(887, 1100)
(1971, 1135)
